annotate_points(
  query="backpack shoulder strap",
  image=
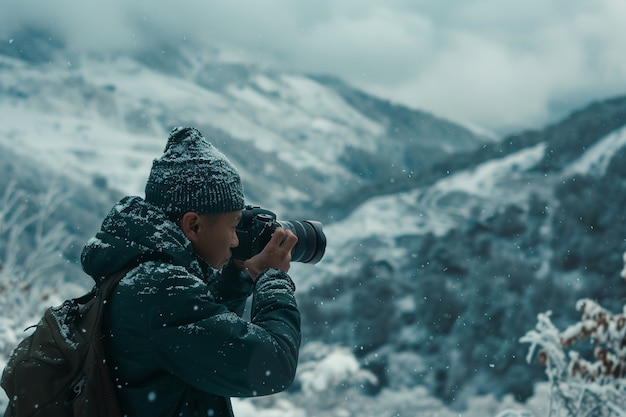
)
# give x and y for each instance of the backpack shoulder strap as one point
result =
(110, 404)
(108, 285)
(105, 288)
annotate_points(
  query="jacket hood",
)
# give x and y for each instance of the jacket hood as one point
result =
(135, 230)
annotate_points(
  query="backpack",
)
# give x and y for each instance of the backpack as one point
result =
(60, 369)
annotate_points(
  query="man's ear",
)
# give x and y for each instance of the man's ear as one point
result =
(190, 225)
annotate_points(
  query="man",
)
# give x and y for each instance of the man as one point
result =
(175, 340)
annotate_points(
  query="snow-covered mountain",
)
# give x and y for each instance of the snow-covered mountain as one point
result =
(466, 260)
(297, 139)
(443, 242)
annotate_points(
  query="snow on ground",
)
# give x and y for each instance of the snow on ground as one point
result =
(76, 149)
(487, 177)
(596, 159)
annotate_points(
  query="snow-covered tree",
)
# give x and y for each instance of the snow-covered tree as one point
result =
(31, 276)
(590, 380)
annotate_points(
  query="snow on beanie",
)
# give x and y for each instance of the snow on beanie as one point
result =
(192, 175)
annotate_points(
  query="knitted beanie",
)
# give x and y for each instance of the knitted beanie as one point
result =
(192, 175)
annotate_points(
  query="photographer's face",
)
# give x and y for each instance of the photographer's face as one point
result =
(212, 236)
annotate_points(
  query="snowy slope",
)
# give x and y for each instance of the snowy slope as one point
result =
(426, 210)
(65, 114)
(448, 202)
(108, 116)
(102, 119)
(595, 160)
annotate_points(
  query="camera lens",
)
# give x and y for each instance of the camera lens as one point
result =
(311, 240)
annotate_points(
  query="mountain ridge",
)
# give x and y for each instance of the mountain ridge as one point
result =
(327, 139)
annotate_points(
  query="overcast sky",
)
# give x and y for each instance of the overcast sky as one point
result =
(498, 64)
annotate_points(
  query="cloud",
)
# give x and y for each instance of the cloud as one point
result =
(508, 66)
(500, 64)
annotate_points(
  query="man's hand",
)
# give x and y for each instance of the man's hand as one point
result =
(276, 254)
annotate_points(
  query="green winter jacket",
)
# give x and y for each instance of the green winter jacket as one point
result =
(174, 337)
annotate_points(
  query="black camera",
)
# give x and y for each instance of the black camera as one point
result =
(257, 226)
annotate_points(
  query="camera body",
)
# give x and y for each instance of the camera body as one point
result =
(257, 226)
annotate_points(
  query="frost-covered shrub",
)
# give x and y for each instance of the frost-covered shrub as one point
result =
(31, 261)
(515, 413)
(31, 276)
(323, 368)
(591, 384)
(246, 407)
